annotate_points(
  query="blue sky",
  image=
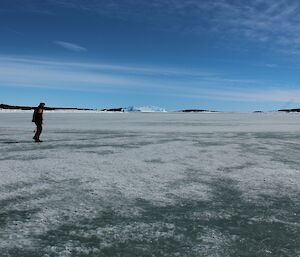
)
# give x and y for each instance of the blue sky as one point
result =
(228, 55)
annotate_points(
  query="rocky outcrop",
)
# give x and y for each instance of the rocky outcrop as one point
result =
(289, 110)
(17, 107)
(113, 110)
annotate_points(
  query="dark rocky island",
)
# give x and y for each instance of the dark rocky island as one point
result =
(113, 110)
(16, 107)
(289, 110)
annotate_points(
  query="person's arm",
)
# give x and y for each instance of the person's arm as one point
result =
(34, 116)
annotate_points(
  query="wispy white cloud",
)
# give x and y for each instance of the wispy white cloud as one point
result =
(274, 23)
(127, 69)
(97, 77)
(85, 76)
(270, 95)
(12, 31)
(271, 65)
(262, 21)
(71, 46)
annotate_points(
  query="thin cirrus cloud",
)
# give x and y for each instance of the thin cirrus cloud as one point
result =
(274, 23)
(70, 46)
(120, 69)
(258, 95)
(90, 76)
(260, 21)
(64, 75)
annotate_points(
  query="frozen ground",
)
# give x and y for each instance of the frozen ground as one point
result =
(133, 185)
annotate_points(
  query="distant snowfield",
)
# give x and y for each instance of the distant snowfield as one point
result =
(150, 184)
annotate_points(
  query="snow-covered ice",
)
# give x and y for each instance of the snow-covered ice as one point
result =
(150, 184)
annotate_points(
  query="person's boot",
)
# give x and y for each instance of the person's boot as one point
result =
(38, 140)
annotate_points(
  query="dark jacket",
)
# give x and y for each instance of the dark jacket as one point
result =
(37, 117)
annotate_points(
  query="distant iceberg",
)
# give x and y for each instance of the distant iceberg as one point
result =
(144, 109)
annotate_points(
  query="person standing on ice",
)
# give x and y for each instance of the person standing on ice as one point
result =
(37, 118)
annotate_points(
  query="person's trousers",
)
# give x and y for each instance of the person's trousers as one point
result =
(38, 131)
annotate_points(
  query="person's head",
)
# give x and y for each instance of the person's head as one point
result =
(42, 105)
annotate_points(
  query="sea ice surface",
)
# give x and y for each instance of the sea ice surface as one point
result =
(150, 184)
